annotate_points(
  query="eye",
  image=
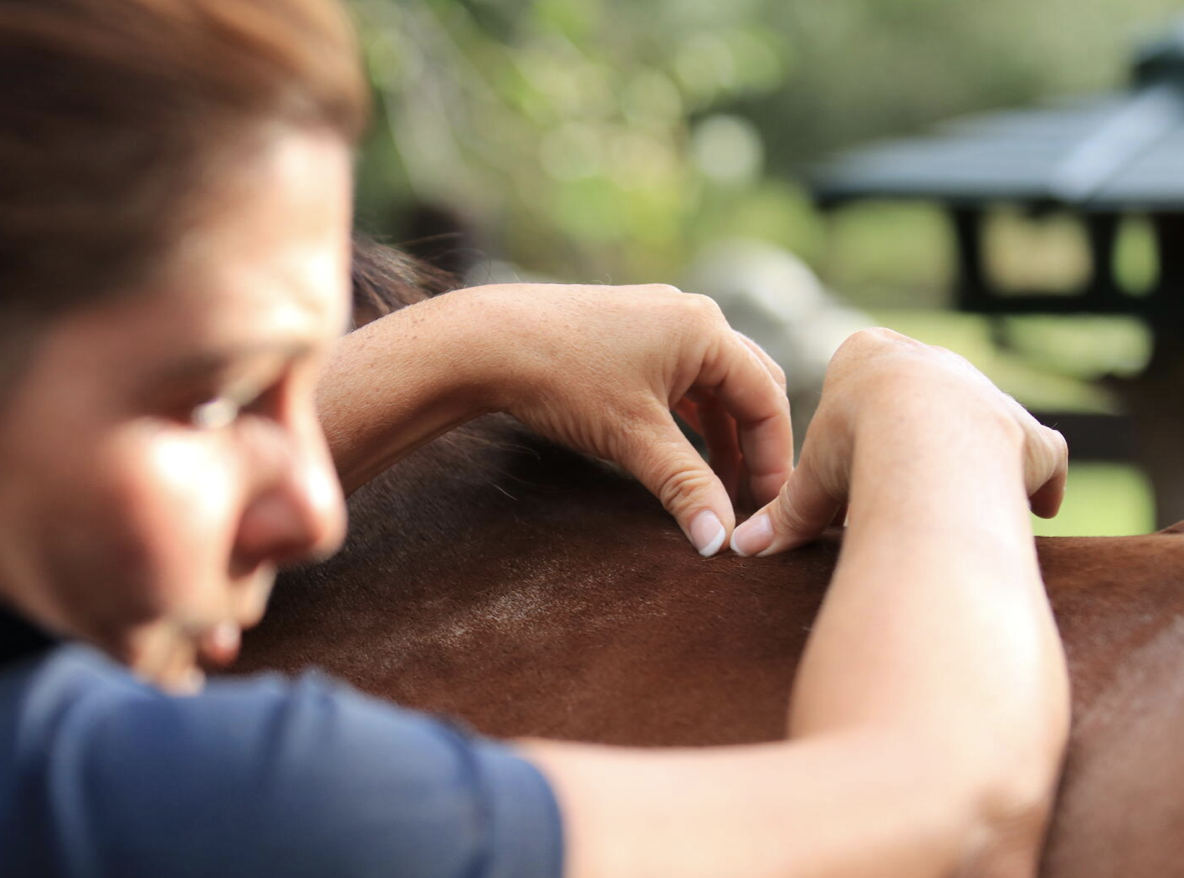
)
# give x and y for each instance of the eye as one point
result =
(215, 414)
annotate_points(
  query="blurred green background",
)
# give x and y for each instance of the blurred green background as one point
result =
(611, 141)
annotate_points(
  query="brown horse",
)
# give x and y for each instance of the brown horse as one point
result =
(530, 591)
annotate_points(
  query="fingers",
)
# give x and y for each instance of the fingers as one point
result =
(774, 370)
(1046, 502)
(705, 412)
(1046, 489)
(689, 412)
(751, 388)
(718, 429)
(668, 465)
(800, 513)
(701, 412)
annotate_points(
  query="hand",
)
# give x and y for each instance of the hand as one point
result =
(600, 368)
(881, 388)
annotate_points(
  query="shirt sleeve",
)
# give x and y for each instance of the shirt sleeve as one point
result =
(267, 777)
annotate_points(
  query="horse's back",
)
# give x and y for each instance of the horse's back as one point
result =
(530, 592)
(554, 598)
(1120, 607)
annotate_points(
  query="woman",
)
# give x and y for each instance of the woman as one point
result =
(173, 248)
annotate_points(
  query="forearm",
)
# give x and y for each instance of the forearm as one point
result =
(928, 717)
(398, 383)
(936, 623)
(837, 806)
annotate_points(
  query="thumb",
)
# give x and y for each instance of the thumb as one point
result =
(669, 466)
(799, 514)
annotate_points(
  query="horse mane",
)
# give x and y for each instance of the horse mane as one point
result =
(448, 493)
(493, 452)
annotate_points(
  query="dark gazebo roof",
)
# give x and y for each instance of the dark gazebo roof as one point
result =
(1114, 152)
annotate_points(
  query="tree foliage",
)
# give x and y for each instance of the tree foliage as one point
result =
(607, 140)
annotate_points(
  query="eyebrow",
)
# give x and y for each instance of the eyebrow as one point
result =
(218, 362)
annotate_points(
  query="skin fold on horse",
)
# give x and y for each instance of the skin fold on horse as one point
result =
(532, 592)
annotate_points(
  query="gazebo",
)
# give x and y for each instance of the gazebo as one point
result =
(1101, 158)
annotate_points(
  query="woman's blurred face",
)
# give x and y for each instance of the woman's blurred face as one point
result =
(160, 454)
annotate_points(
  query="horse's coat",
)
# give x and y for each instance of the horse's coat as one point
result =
(498, 578)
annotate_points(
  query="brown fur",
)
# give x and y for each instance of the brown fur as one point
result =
(498, 578)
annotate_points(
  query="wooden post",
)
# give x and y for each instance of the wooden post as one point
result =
(971, 282)
(1155, 399)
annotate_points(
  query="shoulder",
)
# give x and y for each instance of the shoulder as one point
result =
(254, 773)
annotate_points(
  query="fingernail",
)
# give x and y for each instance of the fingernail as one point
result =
(707, 533)
(754, 536)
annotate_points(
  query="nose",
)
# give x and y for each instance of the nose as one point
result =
(298, 510)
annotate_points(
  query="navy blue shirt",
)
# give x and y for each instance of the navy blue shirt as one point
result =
(101, 775)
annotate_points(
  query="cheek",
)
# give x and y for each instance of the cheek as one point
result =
(173, 510)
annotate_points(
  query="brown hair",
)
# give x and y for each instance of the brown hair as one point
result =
(119, 117)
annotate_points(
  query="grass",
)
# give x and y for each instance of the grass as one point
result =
(1102, 499)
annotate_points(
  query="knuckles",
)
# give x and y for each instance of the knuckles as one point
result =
(881, 343)
(661, 290)
(703, 312)
(877, 338)
(879, 355)
(680, 485)
(786, 518)
(779, 376)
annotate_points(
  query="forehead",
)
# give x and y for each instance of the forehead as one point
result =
(276, 239)
(266, 263)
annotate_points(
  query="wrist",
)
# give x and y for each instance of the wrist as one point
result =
(497, 360)
(940, 465)
(925, 407)
(397, 383)
(916, 432)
